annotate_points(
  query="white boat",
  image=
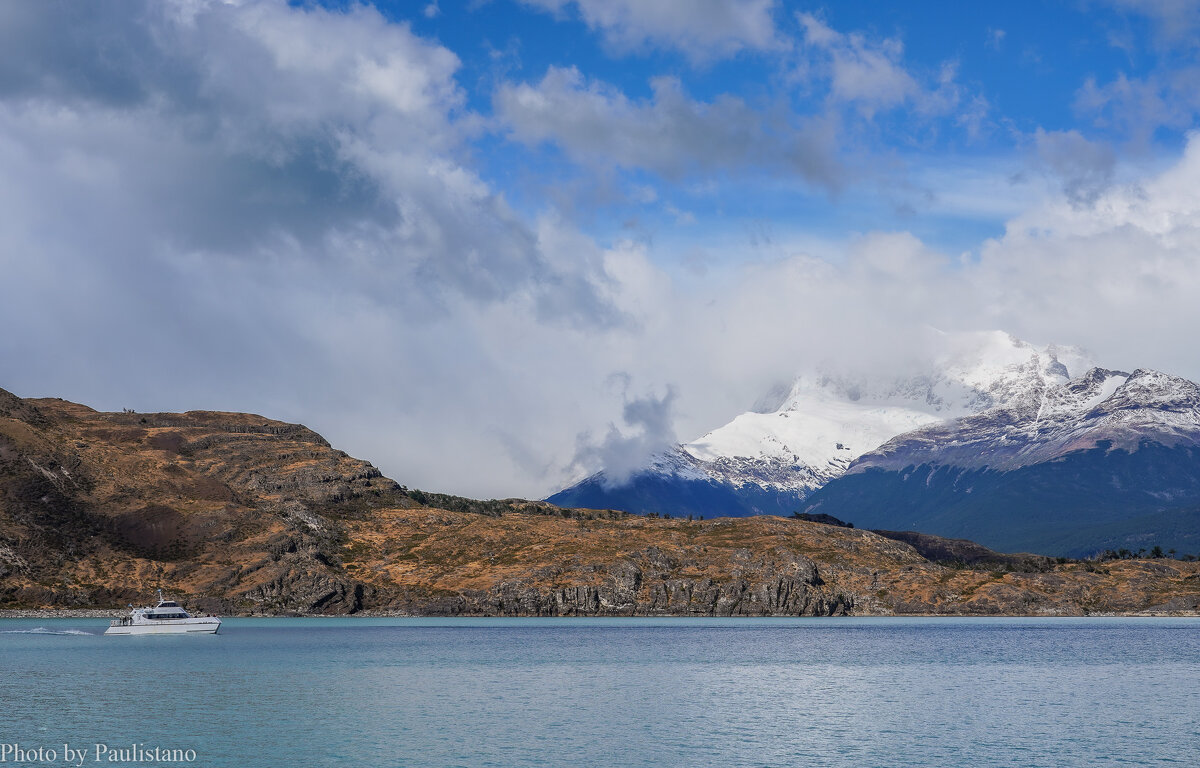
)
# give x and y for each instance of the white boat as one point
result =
(166, 618)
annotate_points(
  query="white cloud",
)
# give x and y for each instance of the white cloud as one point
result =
(829, 143)
(867, 73)
(1118, 276)
(1166, 93)
(702, 29)
(1176, 20)
(669, 133)
(973, 116)
(870, 75)
(1134, 108)
(1161, 207)
(270, 208)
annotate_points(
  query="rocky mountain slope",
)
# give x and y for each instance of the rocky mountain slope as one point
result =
(1108, 460)
(770, 460)
(235, 513)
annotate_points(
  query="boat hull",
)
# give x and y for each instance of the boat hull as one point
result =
(165, 628)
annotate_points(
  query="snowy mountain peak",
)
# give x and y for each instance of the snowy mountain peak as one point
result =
(968, 372)
(1101, 407)
(1025, 448)
(1106, 459)
(827, 419)
(1158, 390)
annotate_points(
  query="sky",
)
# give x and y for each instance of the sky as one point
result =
(492, 245)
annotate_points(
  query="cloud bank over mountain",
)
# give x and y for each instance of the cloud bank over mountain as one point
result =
(342, 217)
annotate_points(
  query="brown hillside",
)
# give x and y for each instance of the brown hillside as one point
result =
(236, 513)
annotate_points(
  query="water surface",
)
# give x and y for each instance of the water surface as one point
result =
(630, 692)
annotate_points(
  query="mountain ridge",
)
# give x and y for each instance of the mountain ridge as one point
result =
(1110, 452)
(236, 513)
(1006, 422)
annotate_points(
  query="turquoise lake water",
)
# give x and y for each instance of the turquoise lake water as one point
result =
(619, 692)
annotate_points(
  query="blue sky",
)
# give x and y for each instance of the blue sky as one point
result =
(484, 243)
(1014, 69)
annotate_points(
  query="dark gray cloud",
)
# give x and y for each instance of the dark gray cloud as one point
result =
(649, 429)
(241, 130)
(87, 52)
(269, 208)
(1085, 168)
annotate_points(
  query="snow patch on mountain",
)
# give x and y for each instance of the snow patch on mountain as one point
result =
(1100, 408)
(829, 419)
(1105, 460)
(799, 437)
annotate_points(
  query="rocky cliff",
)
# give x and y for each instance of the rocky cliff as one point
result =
(236, 513)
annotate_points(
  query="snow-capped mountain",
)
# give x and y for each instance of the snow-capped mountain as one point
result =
(826, 421)
(1051, 421)
(770, 460)
(1107, 460)
(1017, 447)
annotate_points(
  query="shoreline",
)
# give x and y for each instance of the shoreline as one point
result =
(96, 613)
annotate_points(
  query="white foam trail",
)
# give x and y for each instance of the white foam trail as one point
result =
(43, 631)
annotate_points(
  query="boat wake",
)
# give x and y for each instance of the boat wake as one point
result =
(43, 631)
